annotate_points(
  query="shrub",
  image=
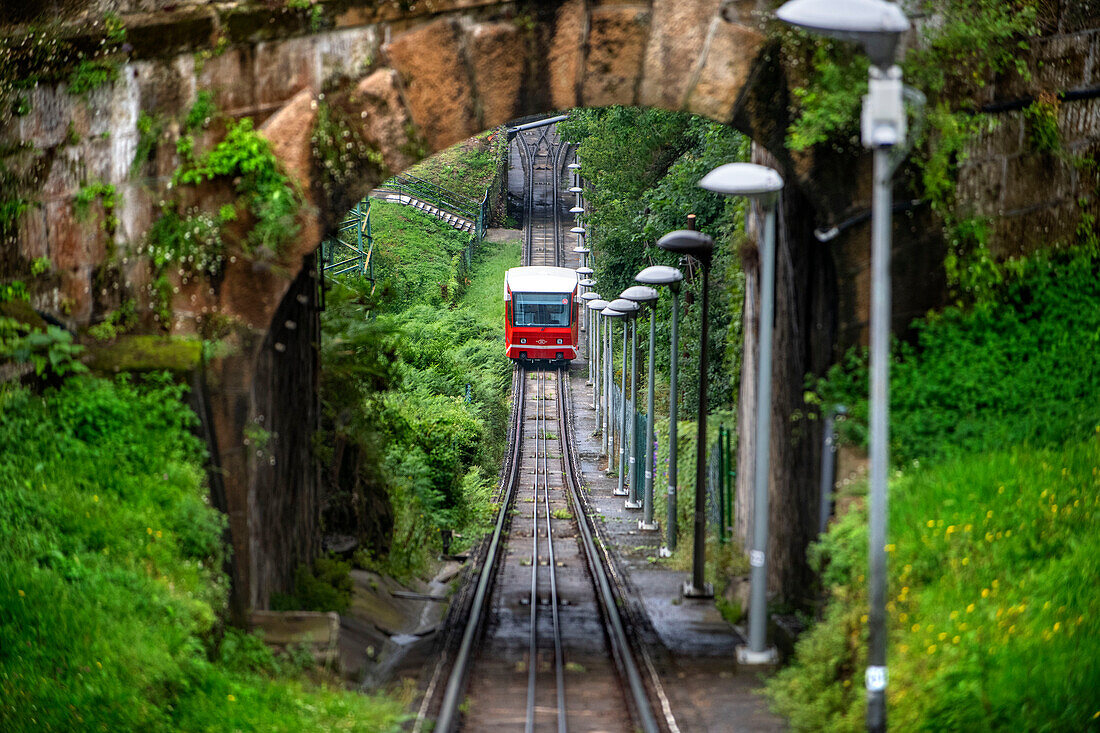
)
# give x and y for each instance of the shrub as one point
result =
(113, 582)
(1017, 367)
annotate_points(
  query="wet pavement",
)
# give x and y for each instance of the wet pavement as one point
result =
(692, 646)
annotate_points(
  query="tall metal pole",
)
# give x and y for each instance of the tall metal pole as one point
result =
(673, 417)
(593, 360)
(879, 418)
(699, 587)
(647, 522)
(757, 651)
(605, 389)
(621, 491)
(634, 501)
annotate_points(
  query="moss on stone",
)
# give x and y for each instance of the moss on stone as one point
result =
(141, 353)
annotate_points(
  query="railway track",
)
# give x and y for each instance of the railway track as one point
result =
(543, 646)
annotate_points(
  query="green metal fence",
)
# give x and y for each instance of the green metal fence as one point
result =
(352, 250)
(720, 480)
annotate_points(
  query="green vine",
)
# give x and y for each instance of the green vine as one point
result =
(1042, 124)
(246, 158)
(969, 43)
(106, 195)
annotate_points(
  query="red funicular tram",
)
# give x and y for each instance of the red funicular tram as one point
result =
(540, 314)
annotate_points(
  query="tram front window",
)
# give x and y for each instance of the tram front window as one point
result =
(540, 309)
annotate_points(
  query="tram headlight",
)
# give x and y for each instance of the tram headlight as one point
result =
(559, 342)
(523, 341)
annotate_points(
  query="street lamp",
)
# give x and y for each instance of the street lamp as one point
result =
(595, 304)
(763, 185)
(878, 26)
(612, 314)
(583, 274)
(670, 276)
(589, 350)
(626, 457)
(641, 294)
(701, 247)
(644, 294)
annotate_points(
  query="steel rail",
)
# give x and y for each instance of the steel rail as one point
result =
(616, 631)
(456, 682)
(533, 649)
(559, 656)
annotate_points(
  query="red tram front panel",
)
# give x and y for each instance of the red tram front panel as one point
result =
(541, 314)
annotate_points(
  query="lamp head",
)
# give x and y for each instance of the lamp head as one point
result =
(659, 275)
(587, 282)
(744, 179)
(639, 294)
(574, 166)
(624, 306)
(611, 312)
(585, 271)
(577, 230)
(577, 210)
(576, 189)
(581, 250)
(597, 303)
(876, 24)
(688, 242)
(590, 296)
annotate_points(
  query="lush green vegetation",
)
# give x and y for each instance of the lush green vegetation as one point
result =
(994, 521)
(642, 167)
(467, 168)
(418, 258)
(965, 48)
(415, 400)
(113, 588)
(1016, 368)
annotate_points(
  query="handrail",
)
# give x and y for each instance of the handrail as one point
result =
(434, 194)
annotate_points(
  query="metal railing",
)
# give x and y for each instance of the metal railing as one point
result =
(442, 198)
(352, 250)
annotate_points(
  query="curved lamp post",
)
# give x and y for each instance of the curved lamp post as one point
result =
(670, 276)
(698, 245)
(763, 185)
(630, 345)
(878, 26)
(644, 294)
(589, 349)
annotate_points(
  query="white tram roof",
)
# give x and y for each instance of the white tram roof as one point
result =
(540, 279)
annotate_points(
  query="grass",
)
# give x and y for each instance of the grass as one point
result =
(416, 257)
(466, 168)
(993, 609)
(113, 585)
(994, 540)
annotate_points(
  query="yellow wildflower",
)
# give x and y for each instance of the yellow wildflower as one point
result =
(231, 698)
(22, 594)
(970, 608)
(955, 639)
(931, 648)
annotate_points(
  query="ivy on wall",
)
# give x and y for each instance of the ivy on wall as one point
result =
(963, 46)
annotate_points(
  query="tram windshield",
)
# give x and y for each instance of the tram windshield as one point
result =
(540, 309)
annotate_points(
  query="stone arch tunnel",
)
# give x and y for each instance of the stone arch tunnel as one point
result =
(408, 79)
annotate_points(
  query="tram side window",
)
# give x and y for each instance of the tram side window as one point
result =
(540, 309)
